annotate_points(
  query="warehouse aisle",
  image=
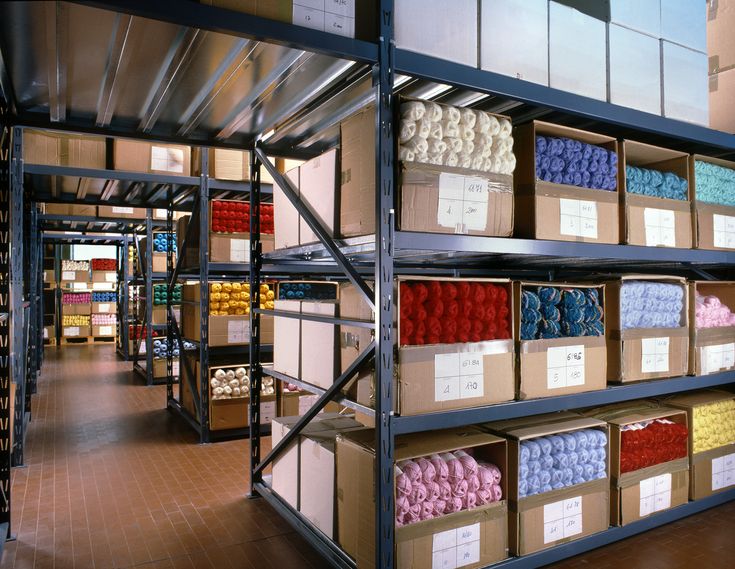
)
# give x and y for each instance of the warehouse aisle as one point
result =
(114, 481)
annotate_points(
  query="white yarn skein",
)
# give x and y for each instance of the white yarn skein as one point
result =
(268, 381)
(505, 127)
(477, 162)
(413, 110)
(487, 165)
(236, 392)
(483, 139)
(436, 158)
(464, 159)
(408, 129)
(436, 146)
(436, 130)
(417, 145)
(219, 391)
(406, 155)
(234, 383)
(468, 147)
(434, 112)
(466, 133)
(422, 157)
(230, 374)
(450, 158)
(423, 128)
(219, 374)
(227, 389)
(511, 164)
(452, 114)
(494, 127)
(468, 118)
(450, 129)
(482, 124)
(453, 144)
(214, 382)
(240, 373)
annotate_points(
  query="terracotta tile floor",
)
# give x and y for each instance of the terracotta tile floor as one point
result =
(113, 480)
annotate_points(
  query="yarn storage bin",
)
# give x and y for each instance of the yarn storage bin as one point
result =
(713, 195)
(712, 326)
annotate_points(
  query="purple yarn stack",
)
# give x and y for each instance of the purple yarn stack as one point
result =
(575, 163)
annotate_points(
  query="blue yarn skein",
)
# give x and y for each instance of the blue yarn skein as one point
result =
(572, 162)
(645, 304)
(714, 184)
(648, 182)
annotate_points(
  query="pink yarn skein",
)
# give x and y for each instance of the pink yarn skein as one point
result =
(469, 501)
(445, 490)
(460, 488)
(403, 484)
(411, 469)
(454, 504)
(439, 507)
(473, 483)
(427, 511)
(469, 464)
(484, 496)
(711, 313)
(413, 514)
(428, 472)
(441, 469)
(433, 491)
(456, 470)
(418, 494)
(497, 493)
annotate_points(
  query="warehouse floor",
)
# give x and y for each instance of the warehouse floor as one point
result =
(112, 480)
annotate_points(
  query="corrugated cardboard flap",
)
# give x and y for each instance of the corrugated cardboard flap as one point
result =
(531, 502)
(416, 445)
(550, 189)
(534, 346)
(691, 400)
(640, 333)
(480, 514)
(634, 413)
(530, 427)
(708, 455)
(632, 478)
(635, 200)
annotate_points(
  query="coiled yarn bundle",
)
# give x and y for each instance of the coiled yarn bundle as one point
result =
(161, 348)
(713, 425)
(645, 304)
(652, 442)
(435, 312)
(559, 461)
(574, 163)
(71, 265)
(104, 264)
(75, 320)
(104, 319)
(449, 136)
(76, 298)
(160, 294)
(711, 313)
(649, 182)
(161, 241)
(234, 383)
(433, 486)
(552, 312)
(305, 291)
(715, 184)
(228, 299)
(104, 297)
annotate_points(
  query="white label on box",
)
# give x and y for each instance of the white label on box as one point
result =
(308, 17)
(723, 471)
(456, 547)
(175, 367)
(654, 355)
(160, 213)
(45, 333)
(165, 159)
(578, 218)
(655, 494)
(79, 286)
(562, 519)
(105, 330)
(101, 286)
(267, 412)
(724, 229)
(564, 367)
(458, 376)
(463, 202)
(71, 331)
(128, 210)
(344, 8)
(240, 250)
(111, 277)
(660, 227)
(67, 275)
(339, 25)
(104, 308)
(238, 331)
(717, 357)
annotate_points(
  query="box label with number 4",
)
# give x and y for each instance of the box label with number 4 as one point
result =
(562, 519)
(458, 376)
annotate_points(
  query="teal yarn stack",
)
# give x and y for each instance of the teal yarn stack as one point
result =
(648, 182)
(715, 184)
(551, 312)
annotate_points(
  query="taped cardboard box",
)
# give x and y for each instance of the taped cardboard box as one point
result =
(560, 516)
(105, 331)
(648, 220)
(637, 354)
(224, 330)
(104, 308)
(544, 210)
(714, 225)
(720, 39)
(486, 527)
(318, 189)
(223, 248)
(70, 209)
(286, 218)
(122, 212)
(721, 93)
(104, 277)
(49, 332)
(75, 331)
(75, 286)
(711, 350)
(558, 366)
(158, 262)
(76, 309)
(76, 276)
(712, 470)
(57, 149)
(153, 158)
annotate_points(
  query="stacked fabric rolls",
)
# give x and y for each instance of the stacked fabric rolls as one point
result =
(75, 320)
(234, 383)
(559, 461)
(234, 298)
(104, 297)
(306, 291)
(713, 425)
(139, 331)
(160, 242)
(234, 217)
(711, 313)
(160, 294)
(433, 486)
(715, 184)
(161, 349)
(574, 163)
(645, 304)
(652, 442)
(71, 265)
(76, 298)
(104, 319)
(553, 312)
(649, 182)
(104, 264)
(436, 312)
(465, 138)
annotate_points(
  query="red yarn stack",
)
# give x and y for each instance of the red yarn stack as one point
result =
(234, 217)
(435, 312)
(104, 264)
(656, 443)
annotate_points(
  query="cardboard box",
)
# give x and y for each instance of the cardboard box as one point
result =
(530, 516)
(356, 499)
(713, 470)
(685, 22)
(647, 220)
(104, 277)
(75, 286)
(76, 276)
(318, 188)
(70, 209)
(49, 332)
(639, 354)
(634, 63)
(544, 210)
(640, 493)
(287, 339)
(353, 339)
(286, 217)
(720, 40)
(538, 371)
(224, 164)
(75, 331)
(685, 83)
(514, 38)
(714, 225)
(711, 350)
(153, 158)
(74, 309)
(223, 248)
(223, 330)
(577, 41)
(57, 149)
(106, 331)
(104, 308)
(159, 263)
(721, 93)
(122, 212)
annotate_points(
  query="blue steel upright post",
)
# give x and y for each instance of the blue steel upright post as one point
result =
(148, 272)
(17, 312)
(256, 369)
(204, 298)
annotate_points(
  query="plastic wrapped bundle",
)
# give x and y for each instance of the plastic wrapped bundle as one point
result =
(714, 184)
(566, 161)
(712, 313)
(653, 183)
(554, 312)
(646, 304)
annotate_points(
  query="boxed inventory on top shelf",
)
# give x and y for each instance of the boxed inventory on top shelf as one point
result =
(565, 184)
(649, 468)
(74, 271)
(654, 196)
(646, 327)
(159, 246)
(450, 497)
(711, 420)
(553, 495)
(713, 195)
(70, 209)
(104, 277)
(123, 212)
(227, 164)
(57, 149)
(712, 326)
(152, 158)
(560, 335)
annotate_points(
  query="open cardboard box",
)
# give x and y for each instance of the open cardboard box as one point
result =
(644, 353)
(714, 225)
(711, 350)
(572, 512)
(538, 364)
(224, 330)
(648, 220)
(544, 210)
(638, 494)
(486, 526)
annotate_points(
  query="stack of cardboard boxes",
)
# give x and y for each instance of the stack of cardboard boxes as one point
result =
(721, 49)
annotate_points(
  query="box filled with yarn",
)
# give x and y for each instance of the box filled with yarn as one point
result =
(565, 185)
(72, 329)
(104, 264)
(647, 327)
(713, 195)
(109, 277)
(560, 335)
(558, 478)
(649, 466)
(445, 482)
(711, 326)
(711, 420)
(230, 216)
(104, 330)
(654, 196)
